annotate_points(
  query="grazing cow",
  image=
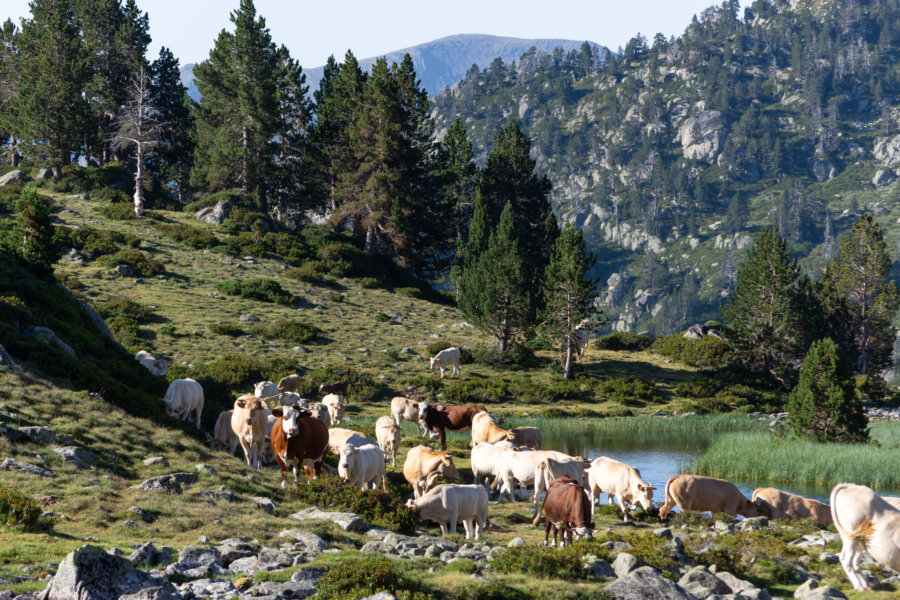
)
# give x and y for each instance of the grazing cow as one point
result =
(485, 458)
(448, 357)
(320, 411)
(525, 468)
(423, 466)
(265, 390)
(389, 436)
(776, 504)
(362, 465)
(485, 429)
(550, 468)
(299, 440)
(866, 522)
(695, 492)
(449, 503)
(335, 406)
(183, 397)
(249, 423)
(156, 366)
(336, 387)
(290, 383)
(337, 437)
(530, 437)
(294, 399)
(618, 480)
(403, 408)
(566, 508)
(224, 437)
(441, 417)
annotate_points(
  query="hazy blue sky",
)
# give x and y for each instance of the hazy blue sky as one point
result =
(313, 30)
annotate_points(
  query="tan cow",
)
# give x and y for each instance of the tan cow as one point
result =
(389, 436)
(866, 523)
(337, 437)
(362, 465)
(224, 437)
(777, 504)
(423, 466)
(249, 423)
(530, 437)
(290, 383)
(183, 397)
(336, 406)
(695, 492)
(403, 408)
(446, 358)
(485, 429)
(620, 481)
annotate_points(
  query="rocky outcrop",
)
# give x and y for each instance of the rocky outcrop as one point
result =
(646, 582)
(10, 464)
(48, 336)
(7, 363)
(702, 135)
(12, 177)
(346, 521)
(215, 215)
(40, 435)
(887, 151)
(78, 457)
(883, 177)
(168, 483)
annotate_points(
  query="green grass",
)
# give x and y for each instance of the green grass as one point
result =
(642, 424)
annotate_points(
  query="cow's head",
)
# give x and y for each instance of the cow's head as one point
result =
(251, 405)
(431, 365)
(447, 468)
(644, 496)
(423, 408)
(347, 451)
(584, 532)
(765, 509)
(288, 415)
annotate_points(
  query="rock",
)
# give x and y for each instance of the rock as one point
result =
(272, 559)
(739, 586)
(197, 561)
(702, 135)
(287, 589)
(156, 461)
(168, 483)
(216, 589)
(92, 314)
(46, 336)
(883, 177)
(7, 363)
(380, 596)
(829, 558)
(215, 215)
(663, 532)
(216, 496)
(145, 555)
(246, 565)
(11, 464)
(124, 270)
(812, 590)
(516, 541)
(312, 542)
(887, 151)
(44, 174)
(90, 573)
(12, 434)
(753, 523)
(77, 456)
(12, 177)
(204, 468)
(596, 567)
(249, 318)
(701, 583)
(40, 435)
(643, 583)
(263, 504)
(823, 170)
(234, 548)
(346, 521)
(145, 516)
(624, 564)
(203, 539)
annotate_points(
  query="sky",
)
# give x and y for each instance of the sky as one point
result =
(314, 30)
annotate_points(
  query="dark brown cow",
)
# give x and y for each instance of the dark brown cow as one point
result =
(337, 387)
(566, 507)
(443, 417)
(299, 440)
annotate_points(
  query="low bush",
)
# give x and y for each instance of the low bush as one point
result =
(541, 561)
(17, 509)
(369, 283)
(362, 386)
(141, 264)
(368, 576)
(409, 292)
(700, 387)
(380, 317)
(118, 211)
(190, 236)
(333, 297)
(310, 271)
(436, 347)
(706, 352)
(97, 242)
(291, 330)
(628, 391)
(264, 290)
(123, 316)
(112, 196)
(516, 355)
(476, 391)
(229, 329)
(623, 340)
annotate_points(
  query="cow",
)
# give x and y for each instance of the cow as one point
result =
(320, 411)
(550, 468)
(294, 399)
(290, 383)
(486, 457)
(183, 397)
(524, 467)
(389, 436)
(268, 453)
(776, 504)
(403, 408)
(485, 429)
(156, 366)
(265, 390)
(566, 507)
(441, 417)
(336, 407)
(448, 357)
(249, 423)
(224, 437)
(423, 466)
(338, 436)
(865, 522)
(362, 465)
(695, 492)
(449, 503)
(299, 440)
(335, 387)
(620, 481)
(530, 437)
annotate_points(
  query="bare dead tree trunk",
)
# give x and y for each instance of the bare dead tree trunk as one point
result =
(139, 182)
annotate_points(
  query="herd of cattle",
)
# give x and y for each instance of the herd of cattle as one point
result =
(297, 435)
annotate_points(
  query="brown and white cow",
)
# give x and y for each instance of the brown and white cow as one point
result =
(696, 492)
(530, 437)
(184, 397)
(335, 387)
(423, 466)
(299, 440)
(620, 481)
(249, 423)
(448, 357)
(566, 508)
(389, 436)
(403, 408)
(776, 504)
(290, 383)
(441, 417)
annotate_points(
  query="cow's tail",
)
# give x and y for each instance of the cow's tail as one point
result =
(384, 482)
(834, 515)
(537, 517)
(494, 483)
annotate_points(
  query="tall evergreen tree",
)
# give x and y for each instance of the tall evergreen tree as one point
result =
(771, 315)
(172, 161)
(295, 114)
(456, 175)
(823, 405)
(53, 73)
(9, 81)
(860, 300)
(468, 256)
(568, 292)
(32, 236)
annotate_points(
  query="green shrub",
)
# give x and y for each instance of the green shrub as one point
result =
(708, 351)
(436, 347)
(264, 290)
(190, 236)
(93, 242)
(229, 329)
(374, 506)
(409, 292)
(366, 577)
(476, 391)
(119, 211)
(143, 265)
(125, 308)
(380, 317)
(293, 331)
(333, 297)
(369, 283)
(628, 391)
(211, 200)
(362, 386)
(112, 196)
(623, 340)
(541, 561)
(310, 272)
(516, 355)
(700, 387)
(18, 509)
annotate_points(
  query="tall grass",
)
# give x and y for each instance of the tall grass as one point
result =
(762, 456)
(718, 423)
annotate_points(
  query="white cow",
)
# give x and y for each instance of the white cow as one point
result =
(449, 503)
(362, 465)
(156, 366)
(265, 390)
(866, 522)
(618, 480)
(448, 357)
(485, 459)
(389, 436)
(224, 437)
(406, 409)
(523, 467)
(294, 399)
(338, 436)
(336, 406)
(320, 411)
(184, 396)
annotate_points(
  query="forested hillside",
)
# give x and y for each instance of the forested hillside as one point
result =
(673, 153)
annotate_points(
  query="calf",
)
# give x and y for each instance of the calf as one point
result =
(566, 508)
(338, 436)
(866, 522)
(249, 423)
(776, 504)
(530, 437)
(423, 466)
(448, 357)
(406, 409)
(362, 465)
(320, 411)
(265, 390)
(335, 406)
(448, 503)
(440, 418)
(183, 397)
(290, 383)
(336, 387)
(695, 492)
(485, 429)
(389, 436)
(619, 481)
(224, 437)
(298, 440)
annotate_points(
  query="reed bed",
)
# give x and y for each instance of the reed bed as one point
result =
(641, 424)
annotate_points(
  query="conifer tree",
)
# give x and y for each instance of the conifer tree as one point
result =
(467, 257)
(568, 292)
(173, 158)
(457, 174)
(295, 113)
(823, 405)
(32, 236)
(9, 81)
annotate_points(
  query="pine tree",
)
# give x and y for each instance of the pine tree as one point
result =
(568, 291)
(174, 156)
(295, 113)
(53, 74)
(9, 81)
(823, 405)
(859, 299)
(456, 178)
(771, 315)
(32, 236)
(467, 257)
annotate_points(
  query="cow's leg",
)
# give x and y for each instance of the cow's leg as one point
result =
(246, 450)
(442, 372)
(443, 433)
(849, 557)
(622, 506)
(443, 527)
(469, 526)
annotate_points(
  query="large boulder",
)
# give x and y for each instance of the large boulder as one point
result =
(883, 177)
(168, 483)
(12, 177)
(40, 435)
(11, 464)
(47, 336)
(646, 582)
(702, 135)
(215, 215)
(347, 521)
(887, 151)
(78, 456)
(197, 561)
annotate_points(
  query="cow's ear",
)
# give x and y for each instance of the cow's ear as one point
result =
(240, 403)
(277, 412)
(355, 450)
(262, 405)
(415, 405)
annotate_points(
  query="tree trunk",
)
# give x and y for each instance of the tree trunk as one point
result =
(14, 156)
(56, 169)
(371, 241)
(569, 368)
(245, 143)
(138, 182)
